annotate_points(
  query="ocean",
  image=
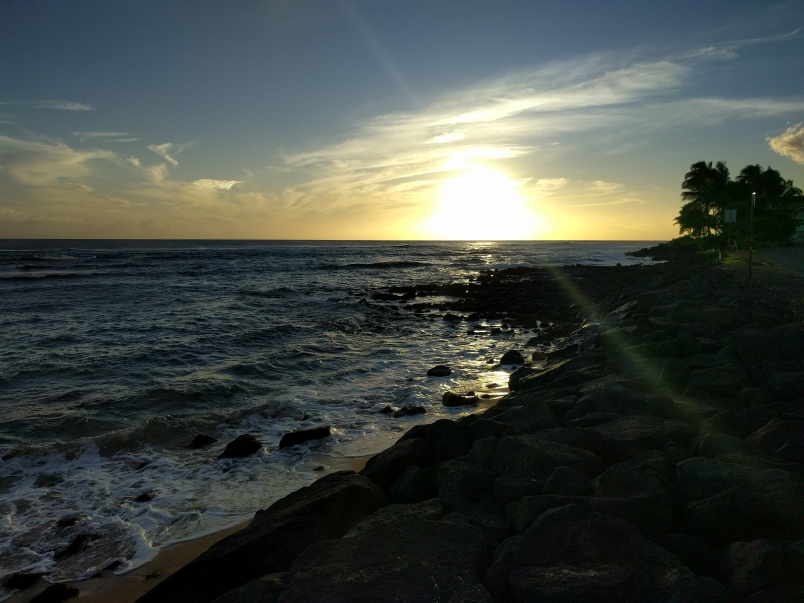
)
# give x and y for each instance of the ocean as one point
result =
(115, 354)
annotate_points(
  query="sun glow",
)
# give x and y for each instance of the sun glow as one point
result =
(482, 204)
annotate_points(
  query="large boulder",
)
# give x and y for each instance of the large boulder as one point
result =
(769, 507)
(264, 589)
(569, 554)
(761, 564)
(395, 562)
(528, 419)
(242, 446)
(531, 457)
(627, 437)
(718, 382)
(326, 509)
(385, 468)
(293, 438)
(775, 434)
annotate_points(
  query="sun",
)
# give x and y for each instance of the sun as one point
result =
(481, 204)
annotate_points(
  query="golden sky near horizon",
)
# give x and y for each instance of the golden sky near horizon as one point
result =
(361, 120)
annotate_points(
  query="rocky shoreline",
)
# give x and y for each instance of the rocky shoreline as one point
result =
(652, 449)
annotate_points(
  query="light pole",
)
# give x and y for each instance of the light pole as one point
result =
(751, 236)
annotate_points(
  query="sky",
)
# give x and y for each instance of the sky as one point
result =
(385, 119)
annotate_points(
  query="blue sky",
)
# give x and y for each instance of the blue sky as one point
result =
(378, 119)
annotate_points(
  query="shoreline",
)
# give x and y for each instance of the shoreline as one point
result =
(641, 310)
(106, 587)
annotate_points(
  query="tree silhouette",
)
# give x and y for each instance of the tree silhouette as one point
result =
(710, 190)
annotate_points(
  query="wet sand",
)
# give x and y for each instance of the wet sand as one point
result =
(108, 588)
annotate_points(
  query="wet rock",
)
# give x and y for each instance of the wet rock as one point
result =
(714, 444)
(299, 437)
(202, 440)
(445, 440)
(265, 589)
(439, 370)
(415, 485)
(144, 497)
(484, 428)
(688, 345)
(408, 560)
(519, 374)
(787, 386)
(627, 437)
(242, 446)
(531, 457)
(565, 480)
(326, 509)
(699, 478)
(21, 581)
(512, 357)
(663, 349)
(720, 382)
(569, 554)
(409, 411)
(68, 521)
(453, 399)
(585, 439)
(752, 566)
(387, 410)
(56, 593)
(451, 317)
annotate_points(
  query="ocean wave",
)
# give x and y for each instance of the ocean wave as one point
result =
(387, 265)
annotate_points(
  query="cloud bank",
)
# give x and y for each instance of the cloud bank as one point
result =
(790, 143)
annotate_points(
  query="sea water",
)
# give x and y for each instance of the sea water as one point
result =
(114, 354)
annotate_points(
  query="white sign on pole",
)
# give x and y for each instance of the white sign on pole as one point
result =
(731, 215)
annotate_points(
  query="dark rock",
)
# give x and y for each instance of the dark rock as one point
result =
(512, 357)
(383, 469)
(692, 551)
(787, 385)
(705, 361)
(627, 437)
(778, 594)
(771, 507)
(652, 513)
(293, 438)
(572, 555)
(21, 581)
(527, 419)
(451, 317)
(55, 593)
(453, 399)
(565, 480)
(242, 446)
(144, 497)
(720, 382)
(688, 345)
(459, 485)
(699, 478)
(265, 589)
(408, 560)
(326, 509)
(445, 440)
(775, 434)
(752, 566)
(387, 410)
(674, 375)
(566, 352)
(510, 487)
(431, 509)
(439, 370)
(69, 521)
(409, 411)
(664, 349)
(585, 439)
(520, 373)
(715, 444)
(793, 450)
(530, 457)
(593, 418)
(484, 428)
(415, 485)
(202, 440)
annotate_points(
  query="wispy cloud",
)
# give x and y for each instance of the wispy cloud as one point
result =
(790, 143)
(104, 136)
(62, 105)
(39, 163)
(215, 185)
(167, 150)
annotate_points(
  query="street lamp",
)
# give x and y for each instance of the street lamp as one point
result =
(751, 237)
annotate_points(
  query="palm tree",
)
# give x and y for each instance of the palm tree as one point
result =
(706, 190)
